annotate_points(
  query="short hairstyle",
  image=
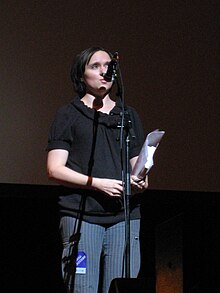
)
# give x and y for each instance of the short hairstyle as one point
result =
(78, 68)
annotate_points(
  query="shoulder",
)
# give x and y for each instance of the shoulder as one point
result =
(66, 109)
(66, 112)
(133, 112)
(131, 109)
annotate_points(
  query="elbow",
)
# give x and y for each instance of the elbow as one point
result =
(51, 174)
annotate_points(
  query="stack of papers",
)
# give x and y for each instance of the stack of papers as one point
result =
(145, 159)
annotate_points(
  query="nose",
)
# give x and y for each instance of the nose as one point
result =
(102, 70)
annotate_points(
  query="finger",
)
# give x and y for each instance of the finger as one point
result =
(112, 194)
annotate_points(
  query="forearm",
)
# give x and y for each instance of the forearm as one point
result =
(59, 172)
(137, 183)
(71, 178)
(68, 177)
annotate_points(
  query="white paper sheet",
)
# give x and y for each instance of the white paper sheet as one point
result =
(145, 159)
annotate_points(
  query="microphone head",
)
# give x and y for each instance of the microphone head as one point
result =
(111, 73)
(116, 56)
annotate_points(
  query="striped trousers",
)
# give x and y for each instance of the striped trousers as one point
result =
(101, 249)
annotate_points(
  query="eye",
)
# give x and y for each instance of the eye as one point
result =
(94, 66)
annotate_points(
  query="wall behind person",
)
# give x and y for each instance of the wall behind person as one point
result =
(169, 62)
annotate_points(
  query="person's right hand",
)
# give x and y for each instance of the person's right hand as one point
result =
(112, 187)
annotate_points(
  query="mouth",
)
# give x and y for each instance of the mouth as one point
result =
(103, 80)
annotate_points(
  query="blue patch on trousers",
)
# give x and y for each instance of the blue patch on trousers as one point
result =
(81, 263)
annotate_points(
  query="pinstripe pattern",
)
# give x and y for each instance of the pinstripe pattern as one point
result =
(113, 247)
(95, 241)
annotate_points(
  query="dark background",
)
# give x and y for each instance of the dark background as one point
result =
(169, 58)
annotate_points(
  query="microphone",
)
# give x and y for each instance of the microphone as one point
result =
(111, 73)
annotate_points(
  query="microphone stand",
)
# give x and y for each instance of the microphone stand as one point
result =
(125, 134)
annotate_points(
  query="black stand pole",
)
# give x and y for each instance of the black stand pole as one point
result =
(125, 144)
(127, 210)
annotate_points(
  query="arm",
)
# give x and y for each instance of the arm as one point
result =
(138, 184)
(57, 171)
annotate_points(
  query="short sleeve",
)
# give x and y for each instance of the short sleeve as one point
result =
(60, 132)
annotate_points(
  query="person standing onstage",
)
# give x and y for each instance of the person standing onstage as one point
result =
(84, 155)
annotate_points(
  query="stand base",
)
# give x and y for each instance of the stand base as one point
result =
(127, 285)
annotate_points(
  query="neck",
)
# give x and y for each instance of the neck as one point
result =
(103, 104)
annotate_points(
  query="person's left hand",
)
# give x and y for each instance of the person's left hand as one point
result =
(138, 185)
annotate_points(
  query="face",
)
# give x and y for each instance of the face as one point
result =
(93, 74)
